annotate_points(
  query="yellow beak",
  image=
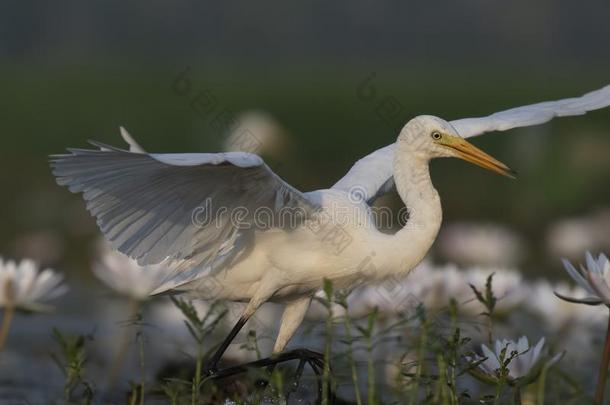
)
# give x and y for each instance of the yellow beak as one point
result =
(467, 151)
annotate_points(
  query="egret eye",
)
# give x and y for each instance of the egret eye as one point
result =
(436, 135)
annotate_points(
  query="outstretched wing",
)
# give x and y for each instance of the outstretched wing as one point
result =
(191, 211)
(368, 178)
(533, 114)
(374, 173)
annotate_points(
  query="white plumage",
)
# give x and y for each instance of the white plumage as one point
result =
(149, 206)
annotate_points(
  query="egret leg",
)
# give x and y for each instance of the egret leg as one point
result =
(253, 305)
(212, 366)
(291, 319)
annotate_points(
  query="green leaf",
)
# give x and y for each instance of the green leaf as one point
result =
(328, 289)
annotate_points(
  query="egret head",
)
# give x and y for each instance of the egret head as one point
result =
(432, 137)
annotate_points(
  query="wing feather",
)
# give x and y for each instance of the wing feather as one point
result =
(533, 114)
(144, 203)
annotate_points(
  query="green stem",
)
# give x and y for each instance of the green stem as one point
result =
(499, 387)
(541, 385)
(453, 360)
(197, 378)
(490, 327)
(423, 339)
(517, 396)
(133, 397)
(326, 376)
(9, 312)
(603, 369)
(441, 393)
(119, 359)
(142, 370)
(350, 354)
(257, 349)
(371, 369)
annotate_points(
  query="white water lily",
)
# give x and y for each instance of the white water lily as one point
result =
(594, 279)
(562, 316)
(570, 237)
(23, 286)
(258, 132)
(480, 244)
(524, 361)
(434, 287)
(126, 277)
(123, 275)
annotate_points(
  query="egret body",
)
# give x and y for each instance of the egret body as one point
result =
(148, 207)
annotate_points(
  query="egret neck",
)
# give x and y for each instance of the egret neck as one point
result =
(414, 185)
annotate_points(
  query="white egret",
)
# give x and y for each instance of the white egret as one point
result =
(227, 227)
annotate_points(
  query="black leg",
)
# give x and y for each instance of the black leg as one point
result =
(212, 367)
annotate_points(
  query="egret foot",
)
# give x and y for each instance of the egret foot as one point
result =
(305, 356)
(210, 371)
(314, 359)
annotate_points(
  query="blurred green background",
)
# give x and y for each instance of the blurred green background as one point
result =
(72, 71)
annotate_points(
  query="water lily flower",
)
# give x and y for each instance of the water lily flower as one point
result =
(23, 287)
(126, 277)
(563, 316)
(486, 245)
(518, 361)
(572, 236)
(434, 286)
(594, 279)
(123, 275)
(258, 132)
